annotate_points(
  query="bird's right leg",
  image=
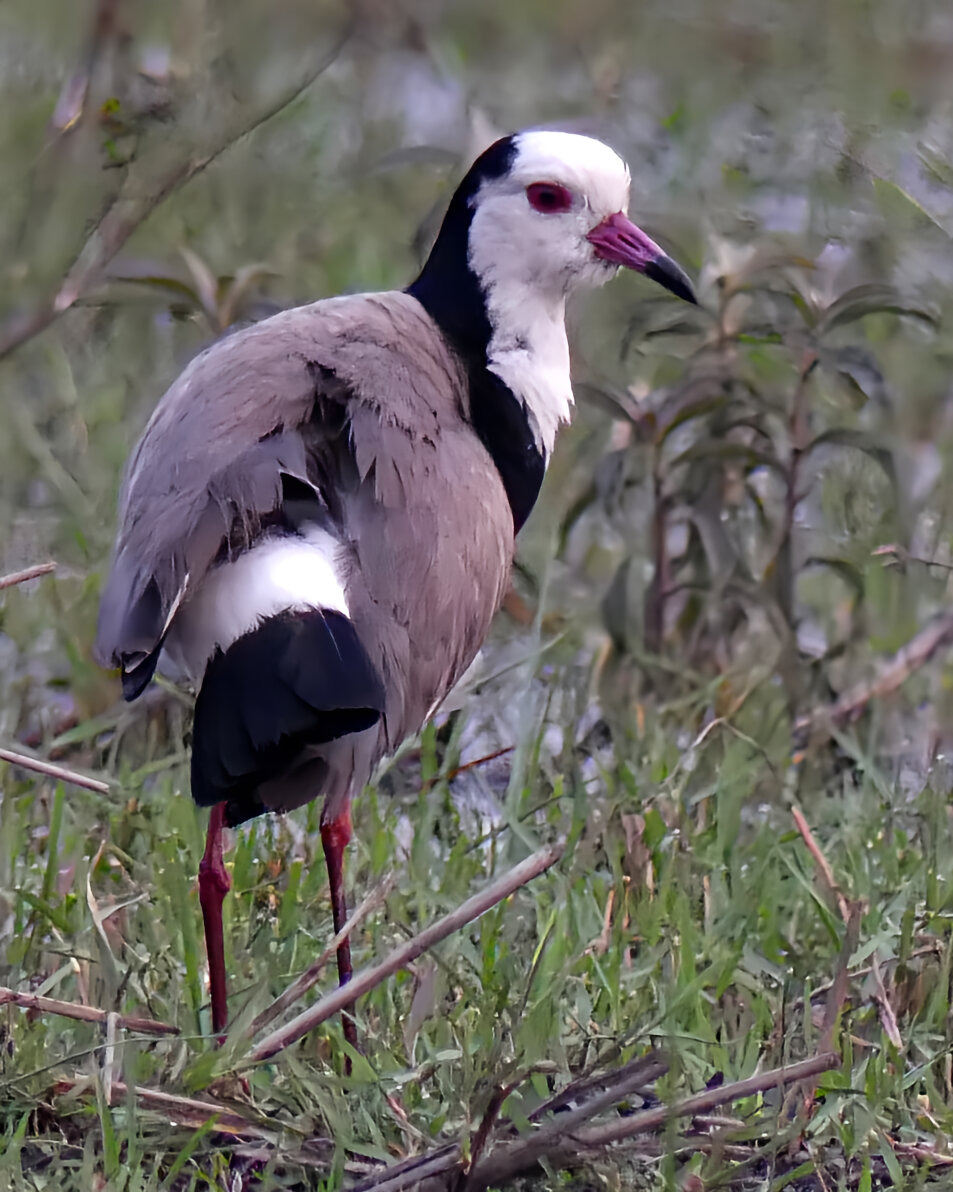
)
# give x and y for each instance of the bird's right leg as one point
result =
(214, 884)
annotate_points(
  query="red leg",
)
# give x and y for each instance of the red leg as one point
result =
(335, 835)
(214, 884)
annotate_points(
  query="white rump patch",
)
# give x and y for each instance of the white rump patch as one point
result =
(286, 574)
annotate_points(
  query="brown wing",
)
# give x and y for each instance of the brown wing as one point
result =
(278, 407)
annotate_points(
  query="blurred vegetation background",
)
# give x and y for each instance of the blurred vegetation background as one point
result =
(750, 517)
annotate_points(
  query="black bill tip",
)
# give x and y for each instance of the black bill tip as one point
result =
(673, 277)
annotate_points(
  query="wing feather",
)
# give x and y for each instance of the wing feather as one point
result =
(284, 406)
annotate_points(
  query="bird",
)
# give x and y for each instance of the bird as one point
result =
(317, 525)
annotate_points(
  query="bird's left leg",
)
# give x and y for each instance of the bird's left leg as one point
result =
(214, 884)
(335, 834)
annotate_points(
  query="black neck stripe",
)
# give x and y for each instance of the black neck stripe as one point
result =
(452, 295)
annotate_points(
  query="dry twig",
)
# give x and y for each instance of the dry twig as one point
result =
(146, 186)
(51, 770)
(646, 1068)
(885, 1010)
(563, 1140)
(892, 675)
(364, 981)
(185, 1111)
(21, 577)
(52, 1005)
(850, 912)
(823, 867)
(507, 1161)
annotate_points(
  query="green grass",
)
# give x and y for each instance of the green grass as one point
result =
(706, 565)
(719, 935)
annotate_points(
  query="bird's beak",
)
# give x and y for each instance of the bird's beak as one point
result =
(620, 242)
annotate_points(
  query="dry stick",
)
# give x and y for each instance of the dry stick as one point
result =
(145, 188)
(368, 978)
(865, 971)
(893, 674)
(510, 1159)
(920, 1151)
(439, 1165)
(54, 771)
(534, 1147)
(482, 1134)
(885, 1010)
(648, 1067)
(479, 761)
(304, 982)
(850, 913)
(20, 577)
(609, 1089)
(189, 1111)
(821, 862)
(52, 1005)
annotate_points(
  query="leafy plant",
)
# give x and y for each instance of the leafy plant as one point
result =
(760, 395)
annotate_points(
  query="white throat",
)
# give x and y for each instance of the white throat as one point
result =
(528, 349)
(529, 352)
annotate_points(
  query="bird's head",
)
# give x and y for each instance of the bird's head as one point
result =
(548, 213)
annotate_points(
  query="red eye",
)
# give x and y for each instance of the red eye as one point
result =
(548, 197)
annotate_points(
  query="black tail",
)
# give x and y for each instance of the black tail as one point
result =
(299, 679)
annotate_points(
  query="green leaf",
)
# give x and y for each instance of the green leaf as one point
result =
(205, 283)
(858, 370)
(891, 1162)
(720, 450)
(688, 408)
(856, 440)
(868, 299)
(615, 605)
(187, 1151)
(615, 402)
(237, 290)
(849, 573)
(152, 273)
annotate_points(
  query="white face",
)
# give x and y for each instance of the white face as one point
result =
(529, 228)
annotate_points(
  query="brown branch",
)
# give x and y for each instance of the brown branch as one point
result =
(147, 186)
(479, 761)
(481, 1136)
(850, 912)
(185, 1111)
(52, 1005)
(837, 998)
(885, 1010)
(891, 676)
(531, 1149)
(563, 1144)
(646, 1068)
(369, 978)
(51, 770)
(823, 867)
(21, 577)
(442, 1164)
(925, 1154)
(609, 1087)
(507, 1161)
